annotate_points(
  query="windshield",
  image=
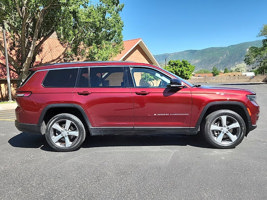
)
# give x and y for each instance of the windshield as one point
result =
(186, 82)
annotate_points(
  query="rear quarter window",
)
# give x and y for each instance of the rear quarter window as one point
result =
(61, 78)
(28, 77)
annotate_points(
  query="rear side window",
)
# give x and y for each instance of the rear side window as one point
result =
(61, 78)
(108, 77)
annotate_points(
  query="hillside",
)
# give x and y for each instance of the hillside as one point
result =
(221, 57)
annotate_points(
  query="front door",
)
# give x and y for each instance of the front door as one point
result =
(156, 105)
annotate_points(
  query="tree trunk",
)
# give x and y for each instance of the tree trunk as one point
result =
(26, 65)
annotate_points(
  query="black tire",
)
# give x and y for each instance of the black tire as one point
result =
(224, 129)
(62, 138)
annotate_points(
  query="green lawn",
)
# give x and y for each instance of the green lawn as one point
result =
(3, 102)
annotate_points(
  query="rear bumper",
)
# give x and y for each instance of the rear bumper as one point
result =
(28, 128)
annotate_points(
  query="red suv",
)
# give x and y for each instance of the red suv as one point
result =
(66, 101)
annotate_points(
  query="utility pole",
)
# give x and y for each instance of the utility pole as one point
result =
(7, 66)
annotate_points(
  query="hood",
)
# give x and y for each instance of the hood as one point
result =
(226, 90)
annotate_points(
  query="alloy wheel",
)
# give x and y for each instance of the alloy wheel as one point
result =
(64, 133)
(225, 130)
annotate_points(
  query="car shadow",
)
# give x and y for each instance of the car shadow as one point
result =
(148, 140)
(28, 140)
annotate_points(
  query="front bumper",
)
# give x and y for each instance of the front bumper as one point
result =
(28, 128)
(252, 127)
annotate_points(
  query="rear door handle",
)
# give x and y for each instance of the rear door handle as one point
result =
(85, 93)
(142, 93)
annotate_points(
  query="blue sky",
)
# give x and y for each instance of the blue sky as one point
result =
(176, 25)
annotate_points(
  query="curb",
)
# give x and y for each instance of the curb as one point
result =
(8, 106)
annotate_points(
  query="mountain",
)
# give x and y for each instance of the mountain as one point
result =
(221, 57)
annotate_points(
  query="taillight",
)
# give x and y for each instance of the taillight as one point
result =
(23, 94)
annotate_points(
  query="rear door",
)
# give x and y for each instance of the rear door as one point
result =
(105, 95)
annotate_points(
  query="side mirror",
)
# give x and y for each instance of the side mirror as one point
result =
(176, 83)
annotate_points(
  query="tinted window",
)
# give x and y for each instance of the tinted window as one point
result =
(107, 77)
(83, 78)
(62, 78)
(146, 78)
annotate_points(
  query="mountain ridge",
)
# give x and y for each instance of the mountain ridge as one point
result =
(221, 57)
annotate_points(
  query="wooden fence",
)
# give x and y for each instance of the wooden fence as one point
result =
(4, 89)
(229, 79)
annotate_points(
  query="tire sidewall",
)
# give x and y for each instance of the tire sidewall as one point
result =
(80, 127)
(208, 134)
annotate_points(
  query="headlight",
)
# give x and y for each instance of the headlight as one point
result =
(252, 97)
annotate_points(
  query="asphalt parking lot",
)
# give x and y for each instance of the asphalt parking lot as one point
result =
(134, 167)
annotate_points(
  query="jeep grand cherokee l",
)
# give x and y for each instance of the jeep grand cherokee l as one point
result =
(66, 101)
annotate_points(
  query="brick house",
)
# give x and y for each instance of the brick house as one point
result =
(136, 50)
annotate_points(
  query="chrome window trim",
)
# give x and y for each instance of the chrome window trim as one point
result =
(129, 66)
(109, 66)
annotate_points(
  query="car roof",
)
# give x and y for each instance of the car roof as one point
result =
(84, 64)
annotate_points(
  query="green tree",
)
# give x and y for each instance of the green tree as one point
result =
(257, 56)
(226, 70)
(149, 77)
(182, 68)
(215, 71)
(242, 67)
(88, 30)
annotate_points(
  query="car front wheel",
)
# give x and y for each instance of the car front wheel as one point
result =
(224, 129)
(65, 132)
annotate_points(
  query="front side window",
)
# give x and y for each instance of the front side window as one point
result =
(61, 78)
(149, 78)
(107, 77)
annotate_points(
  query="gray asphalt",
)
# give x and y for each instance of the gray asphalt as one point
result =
(135, 167)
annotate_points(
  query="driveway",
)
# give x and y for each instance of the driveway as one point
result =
(134, 167)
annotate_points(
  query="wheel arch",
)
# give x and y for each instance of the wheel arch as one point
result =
(235, 106)
(54, 109)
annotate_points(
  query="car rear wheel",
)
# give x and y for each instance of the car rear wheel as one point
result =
(224, 129)
(65, 132)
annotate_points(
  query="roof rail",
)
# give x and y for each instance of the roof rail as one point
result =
(65, 63)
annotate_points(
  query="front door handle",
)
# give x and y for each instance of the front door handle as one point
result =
(85, 93)
(142, 93)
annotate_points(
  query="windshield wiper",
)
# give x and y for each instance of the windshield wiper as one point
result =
(197, 85)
